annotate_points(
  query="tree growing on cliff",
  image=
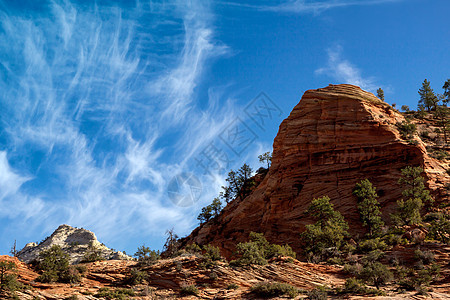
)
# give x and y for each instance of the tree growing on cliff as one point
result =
(239, 184)
(171, 245)
(415, 196)
(427, 97)
(368, 206)
(266, 158)
(380, 94)
(328, 231)
(446, 88)
(210, 211)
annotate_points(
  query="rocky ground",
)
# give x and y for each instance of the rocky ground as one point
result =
(167, 277)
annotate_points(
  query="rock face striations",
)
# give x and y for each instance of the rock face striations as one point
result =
(74, 241)
(335, 137)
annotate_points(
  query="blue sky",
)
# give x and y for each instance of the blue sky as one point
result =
(108, 107)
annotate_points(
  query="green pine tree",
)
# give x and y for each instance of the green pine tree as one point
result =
(427, 97)
(380, 94)
(368, 206)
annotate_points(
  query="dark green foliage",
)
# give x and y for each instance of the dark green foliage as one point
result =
(92, 254)
(439, 154)
(319, 293)
(405, 108)
(258, 250)
(193, 249)
(368, 206)
(145, 255)
(120, 294)
(210, 211)
(189, 290)
(239, 184)
(136, 277)
(446, 88)
(232, 286)
(251, 254)
(54, 263)
(274, 289)
(355, 286)
(415, 195)
(329, 229)
(380, 94)
(266, 158)
(411, 279)
(443, 115)
(376, 273)
(372, 244)
(426, 257)
(8, 278)
(211, 252)
(407, 129)
(440, 229)
(427, 97)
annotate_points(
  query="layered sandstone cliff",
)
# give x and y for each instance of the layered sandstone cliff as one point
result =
(335, 137)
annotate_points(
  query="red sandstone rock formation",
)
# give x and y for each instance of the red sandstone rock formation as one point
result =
(335, 137)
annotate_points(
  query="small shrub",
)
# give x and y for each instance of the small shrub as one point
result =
(232, 286)
(193, 248)
(335, 261)
(92, 254)
(81, 269)
(394, 239)
(372, 244)
(251, 254)
(440, 229)
(427, 257)
(376, 273)
(407, 129)
(211, 252)
(319, 293)
(147, 256)
(373, 256)
(120, 294)
(189, 290)
(355, 286)
(275, 289)
(136, 277)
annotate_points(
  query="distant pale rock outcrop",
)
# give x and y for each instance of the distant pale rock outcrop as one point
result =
(74, 241)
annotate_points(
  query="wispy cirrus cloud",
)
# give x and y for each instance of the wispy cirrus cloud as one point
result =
(344, 71)
(90, 95)
(316, 7)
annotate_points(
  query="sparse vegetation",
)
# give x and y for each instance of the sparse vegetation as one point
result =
(120, 294)
(258, 250)
(274, 289)
(189, 290)
(136, 277)
(266, 158)
(146, 256)
(407, 129)
(93, 253)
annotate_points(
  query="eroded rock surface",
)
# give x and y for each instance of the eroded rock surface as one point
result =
(335, 137)
(74, 241)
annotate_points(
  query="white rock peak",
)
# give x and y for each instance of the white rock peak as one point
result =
(76, 242)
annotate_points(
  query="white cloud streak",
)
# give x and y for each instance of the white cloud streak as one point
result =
(88, 88)
(317, 7)
(344, 71)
